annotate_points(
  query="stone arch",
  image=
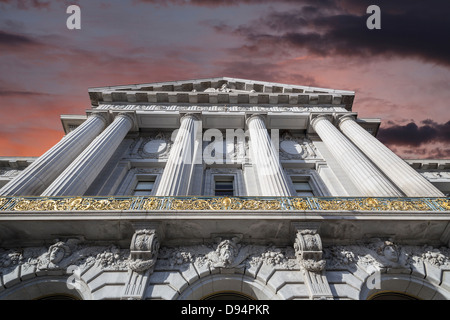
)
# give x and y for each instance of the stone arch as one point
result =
(228, 283)
(46, 287)
(406, 286)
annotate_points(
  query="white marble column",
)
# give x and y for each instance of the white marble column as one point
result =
(412, 183)
(40, 174)
(366, 177)
(179, 167)
(78, 176)
(265, 159)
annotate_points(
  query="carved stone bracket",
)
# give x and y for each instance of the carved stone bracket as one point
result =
(308, 247)
(144, 251)
(144, 247)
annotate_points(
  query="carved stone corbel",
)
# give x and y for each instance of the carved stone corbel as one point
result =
(144, 248)
(308, 249)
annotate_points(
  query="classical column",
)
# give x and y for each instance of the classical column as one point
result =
(412, 183)
(272, 179)
(40, 174)
(76, 178)
(177, 172)
(360, 170)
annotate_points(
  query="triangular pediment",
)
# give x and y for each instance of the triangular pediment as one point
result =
(221, 90)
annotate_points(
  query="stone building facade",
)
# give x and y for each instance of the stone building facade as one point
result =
(223, 188)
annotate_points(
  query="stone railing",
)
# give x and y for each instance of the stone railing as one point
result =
(64, 204)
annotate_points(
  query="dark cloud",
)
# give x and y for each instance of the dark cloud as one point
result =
(413, 28)
(247, 69)
(413, 135)
(208, 3)
(14, 40)
(10, 93)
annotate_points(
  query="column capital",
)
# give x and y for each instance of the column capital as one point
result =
(315, 117)
(254, 116)
(103, 115)
(339, 118)
(130, 115)
(191, 115)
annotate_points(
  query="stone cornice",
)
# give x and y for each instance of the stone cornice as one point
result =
(221, 90)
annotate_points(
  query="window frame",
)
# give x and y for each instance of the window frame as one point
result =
(146, 178)
(224, 178)
(315, 188)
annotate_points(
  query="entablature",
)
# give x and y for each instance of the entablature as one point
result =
(220, 116)
(220, 90)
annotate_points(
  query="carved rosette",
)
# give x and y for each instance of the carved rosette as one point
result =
(143, 250)
(308, 249)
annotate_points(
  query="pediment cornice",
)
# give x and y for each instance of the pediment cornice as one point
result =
(221, 90)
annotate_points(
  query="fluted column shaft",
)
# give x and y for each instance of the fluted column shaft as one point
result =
(266, 161)
(412, 183)
(177, 172)
(366, 177)
(78, 176)
(40, 174)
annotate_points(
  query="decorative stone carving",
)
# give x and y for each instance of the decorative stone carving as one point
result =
(430, 175)
(383, 254)
(296, 148)
(226, 89)
(232, 108)
(308, 248)
(155, 147)
(61, 255)
(9, 173)
(143, 250)
(229, 254)
(57, 253)
(10, 259)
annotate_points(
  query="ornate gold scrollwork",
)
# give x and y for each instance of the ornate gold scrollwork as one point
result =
(224, 204)
(71, 204)
(444, 203)
(3, 201)
(300, 204)
(151, 204)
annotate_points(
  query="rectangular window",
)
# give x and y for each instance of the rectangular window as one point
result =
(144, 188)
(224, 186)
(302, 187)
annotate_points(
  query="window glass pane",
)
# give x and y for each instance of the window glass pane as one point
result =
(302, 186)
(220, 193)
(145, 185)
(224, 185)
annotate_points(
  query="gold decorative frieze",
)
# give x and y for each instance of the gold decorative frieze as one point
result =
(70, 204)
(45, 204)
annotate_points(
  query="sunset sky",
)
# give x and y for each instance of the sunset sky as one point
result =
(401, 73)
